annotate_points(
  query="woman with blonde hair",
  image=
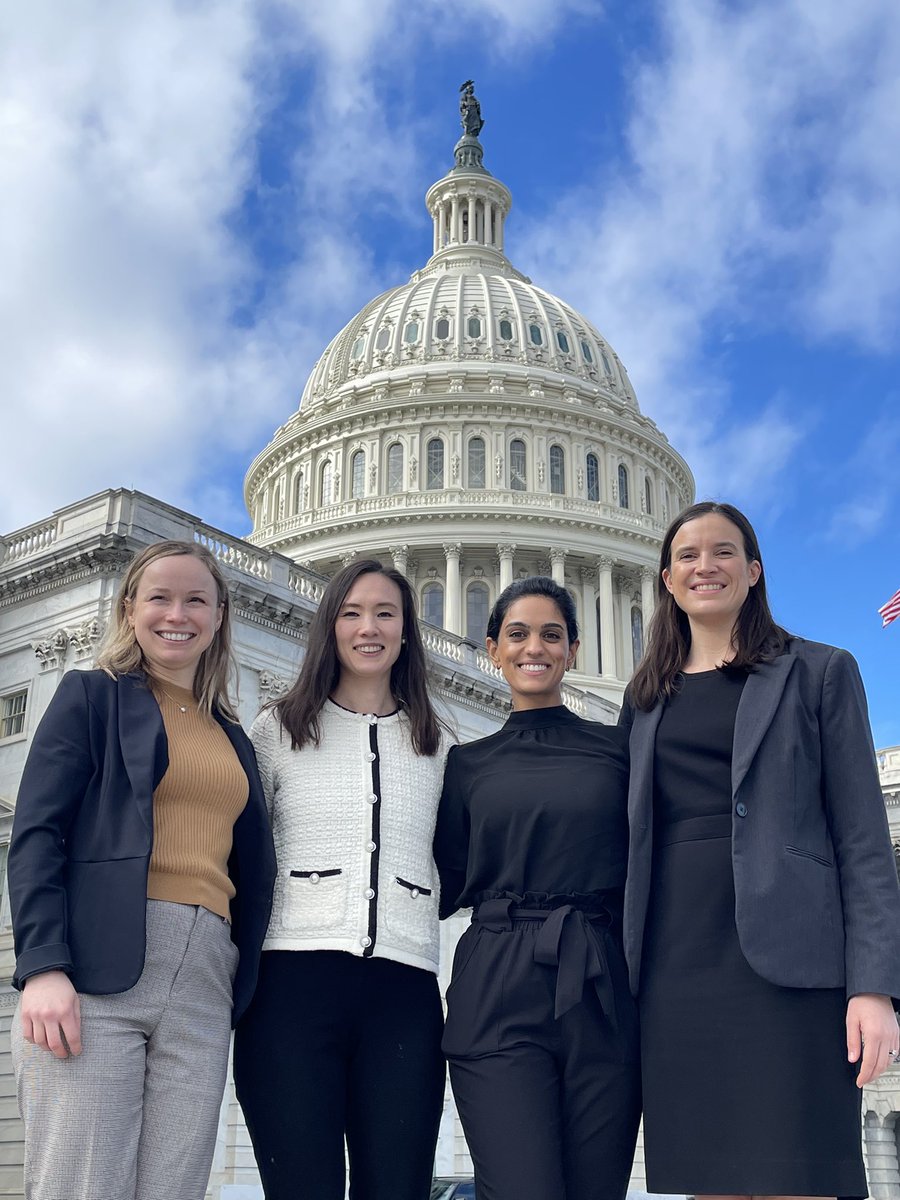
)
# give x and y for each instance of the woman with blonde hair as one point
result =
(140, 876)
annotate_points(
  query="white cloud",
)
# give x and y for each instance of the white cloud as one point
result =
(753, 115)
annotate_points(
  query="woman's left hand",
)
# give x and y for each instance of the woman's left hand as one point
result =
(873, 1032)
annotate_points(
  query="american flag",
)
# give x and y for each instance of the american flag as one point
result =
(890, 611)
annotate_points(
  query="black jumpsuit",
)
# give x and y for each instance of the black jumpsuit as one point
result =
(541, 1028)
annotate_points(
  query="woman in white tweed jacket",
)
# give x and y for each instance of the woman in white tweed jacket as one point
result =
(342, 1040)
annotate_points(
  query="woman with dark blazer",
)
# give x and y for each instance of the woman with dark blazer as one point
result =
(140, 876)
(762, 914)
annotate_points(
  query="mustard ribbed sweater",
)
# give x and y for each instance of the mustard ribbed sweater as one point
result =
(198, 800)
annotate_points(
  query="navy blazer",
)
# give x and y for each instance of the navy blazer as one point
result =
(817, 902)
(83, 834)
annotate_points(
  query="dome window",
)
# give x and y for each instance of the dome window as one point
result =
(607, 368)
(473, 327)
(411, 333)
(326, 484)
(536, 334)
(586, 351)
(517, 477)
(477, 606)
(593, 477)
(358, 346)
(298, 492)
(623, 486)
(383, 339)
(358, 475)
(433, 604)
(395, 469)
(648, 495)
(442, 328)
(562, 341)
(434, 477)
(476, 476)
(506, 330)
(557, 471)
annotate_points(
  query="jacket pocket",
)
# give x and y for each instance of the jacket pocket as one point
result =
(414, 889)
(825, 862)
(313, 900)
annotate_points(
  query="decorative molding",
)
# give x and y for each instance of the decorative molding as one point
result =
(51, 651)
(272, 685)
(83, 638)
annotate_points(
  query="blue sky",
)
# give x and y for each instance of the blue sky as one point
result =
(197, 196)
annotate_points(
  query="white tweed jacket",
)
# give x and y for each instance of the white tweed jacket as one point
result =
(353, 821)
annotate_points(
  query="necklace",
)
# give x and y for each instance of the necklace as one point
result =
(181, 707)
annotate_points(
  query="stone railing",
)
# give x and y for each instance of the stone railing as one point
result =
(28, 541)
(232, 552)
(482, 500)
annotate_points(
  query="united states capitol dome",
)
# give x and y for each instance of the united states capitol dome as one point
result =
(473, 428)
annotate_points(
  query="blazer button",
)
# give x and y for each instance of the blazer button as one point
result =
(372, 798)
(366, 941)
(741, 808)
(370, 756)
(414, 892)
(371, 847)
(314, 878)
(369, 893)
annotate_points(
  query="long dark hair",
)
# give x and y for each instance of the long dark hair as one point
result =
(534, 585)
(299, 708)
(757, 638)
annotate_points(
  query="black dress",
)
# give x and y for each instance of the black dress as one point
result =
(747, 1088)
(541, 1029)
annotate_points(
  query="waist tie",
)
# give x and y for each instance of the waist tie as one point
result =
(565, 941)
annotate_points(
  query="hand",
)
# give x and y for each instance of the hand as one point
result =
(51, 1013)
(871, 1031)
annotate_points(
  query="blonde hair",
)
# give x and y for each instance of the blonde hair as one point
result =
(121, 654)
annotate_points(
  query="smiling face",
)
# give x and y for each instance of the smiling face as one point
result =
(368, 631)
(175, 613)
(709, 575)
(533, 651)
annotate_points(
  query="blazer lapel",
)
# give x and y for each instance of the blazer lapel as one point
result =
(142, 738)
(759, 701)
(642, 745)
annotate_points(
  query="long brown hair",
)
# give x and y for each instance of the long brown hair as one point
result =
(299, 708)
(757, 638)
(121, 653)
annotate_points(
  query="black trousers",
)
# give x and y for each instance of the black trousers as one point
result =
(336, 1047)
(550, 1103)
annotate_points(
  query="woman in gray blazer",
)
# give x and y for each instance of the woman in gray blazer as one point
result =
(762, 911)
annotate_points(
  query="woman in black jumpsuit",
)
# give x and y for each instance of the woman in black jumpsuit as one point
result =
(532, 833)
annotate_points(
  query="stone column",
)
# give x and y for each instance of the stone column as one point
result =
(607, 616)
(883, 1169)
(589, 652)
(488, 232)
(398, 554)
(558, 565)
(472, 230)
(648, 597)
(454, 220)
(625, 601)
(505, 552)
(499, 227)
(441, 225)
(452, 551)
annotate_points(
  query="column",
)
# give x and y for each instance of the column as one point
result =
(558, 565)
(607, 616)
(472, 229)
(488, 232)
(589, 652)
(505, 552)
(398, 554)
(648, 597)
(441, 225)
(500, 223)
(454, 220)
(882, 1166)
(623, 588)
(452, 551)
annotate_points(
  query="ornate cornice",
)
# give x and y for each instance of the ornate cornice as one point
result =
(65, 569)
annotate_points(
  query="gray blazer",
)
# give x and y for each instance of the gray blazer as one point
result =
(817, 897)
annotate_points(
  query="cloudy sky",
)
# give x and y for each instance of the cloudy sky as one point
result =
(198, 195)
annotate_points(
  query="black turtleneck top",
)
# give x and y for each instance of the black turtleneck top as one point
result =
(537, 810)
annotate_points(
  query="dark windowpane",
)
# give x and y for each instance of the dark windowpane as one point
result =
(411, 333)
(433, 604)
(623, 486)
(473, 327)
(326, 483)
(12, 714)
(586, 351)
(358, 347)
(442, 328)
(477, 612)
(517, 478)
(477, 476)
(537, 337)
(562, 341)
(506, 330)
(357, 475)
(435, 464)
(557, 470)
(395, 468)
(383, 340)
(593, 477)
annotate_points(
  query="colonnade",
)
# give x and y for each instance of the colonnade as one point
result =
(608, 589)
(469, 218)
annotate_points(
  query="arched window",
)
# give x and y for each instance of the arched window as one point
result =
(557, 471)
(433, 604)
(395, 469)
(637, 634)
(435, 464)
(562, 341)
(477, 608)
(536, 335)
(442, 328)
(358, 475)
(326, 484)
(476, 473)
(648, 495)
(517, 477)
(473, 327)
(593, 477)
(506, 329)
(623, 486)
(276, 502)
(411, 333)
(297, 501)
